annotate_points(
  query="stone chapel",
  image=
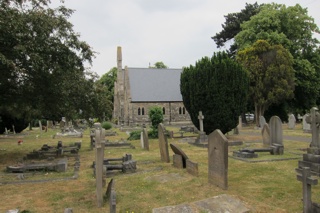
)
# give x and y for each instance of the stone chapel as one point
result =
(138, 89)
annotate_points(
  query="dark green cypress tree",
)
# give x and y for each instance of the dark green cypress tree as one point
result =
(218, 87)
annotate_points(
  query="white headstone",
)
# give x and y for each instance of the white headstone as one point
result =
(292, 121)
(262, 121)
(201, 117)
(306, 126)
(141, 140)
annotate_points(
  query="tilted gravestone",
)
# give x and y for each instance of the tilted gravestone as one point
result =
(276, 134)
(218, 159)
(145, 139)
(176, 149)
(292, 121)
(177, 161)
(262, 121)
(163, 144)
(192, 167)
(266, 135)
(111, 196)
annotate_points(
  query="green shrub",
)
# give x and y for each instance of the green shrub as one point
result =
(106, 125)
(153, 133)
(134, 135)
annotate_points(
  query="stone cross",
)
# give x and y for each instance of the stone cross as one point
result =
(99, 145)
(314, 120)
(307, 182)
(201, 117)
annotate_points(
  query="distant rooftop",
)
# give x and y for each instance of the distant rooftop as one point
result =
(155, 85)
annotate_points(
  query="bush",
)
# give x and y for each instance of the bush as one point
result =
(153, 133)
(106, 125)
(134, 135)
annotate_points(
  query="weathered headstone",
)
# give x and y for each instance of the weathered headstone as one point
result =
(68, 210)
(266, 135)
(99, 146)
(218, 159)
(305, 125)
(292, 121)
(111, 196)
(177, 161)
(201, 117)
(40, 126)
(163, 144)
(141, 139)
(202, 137)
(276, 134)
(314, 120)
(145, 139)
(262, 121)
(240, 122)
(176, 149)
(192, 168)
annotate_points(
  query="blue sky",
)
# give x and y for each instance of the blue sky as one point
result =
(176, 32)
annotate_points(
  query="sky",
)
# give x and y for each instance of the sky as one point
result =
(176, 32)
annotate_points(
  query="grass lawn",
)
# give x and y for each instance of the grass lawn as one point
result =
(269, 186)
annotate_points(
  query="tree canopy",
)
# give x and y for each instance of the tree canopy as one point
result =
(42, 62)
(271, 74)
(160, 65)
(218, 87)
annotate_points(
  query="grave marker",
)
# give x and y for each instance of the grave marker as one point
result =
(292, 121)
(262, 121)
(276, 135)
(201, 117)
(305, 125)
(218, 159)
(177, 161)
(145, 139)
(266, 135)
(192, 168)
(99, 146)
(179, 151)
(163, 144)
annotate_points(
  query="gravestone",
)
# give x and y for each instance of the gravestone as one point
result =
(40, 126)
(305, 125)
(176, 149)
(292, 121)
(163, 144)
(262, 121)
(177, 161)
(192, 167)
(99, 151)
(240, 122)
(141, 139)
(202, 137)
(218, 159)
(145, 139)
(307, 181)
(276, 134)
(314, 120)
(111, 196)
(266, 135)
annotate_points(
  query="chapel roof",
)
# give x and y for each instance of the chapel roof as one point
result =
(154, 85)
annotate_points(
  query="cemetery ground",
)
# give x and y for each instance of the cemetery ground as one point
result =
(268, 186)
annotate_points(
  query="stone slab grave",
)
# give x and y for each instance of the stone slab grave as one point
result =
(176, 149)
(54, 151)
(60, 165)
(68, 132)
(163, 144)
(218, 159)
(126, 164)
(311, 159)
(183, 129)
(276, 142)
(117, 144)
(218, 204)
(111, 196)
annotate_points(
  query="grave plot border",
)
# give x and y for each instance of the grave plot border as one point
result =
(74, 176)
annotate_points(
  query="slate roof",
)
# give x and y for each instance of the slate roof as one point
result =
(154, 85)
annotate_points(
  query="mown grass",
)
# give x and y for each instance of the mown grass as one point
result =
(263, 186)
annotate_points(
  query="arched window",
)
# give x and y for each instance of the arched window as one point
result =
(179, 110)
(163, 110)
(139, 111)
(142, 111)
(184, 110)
